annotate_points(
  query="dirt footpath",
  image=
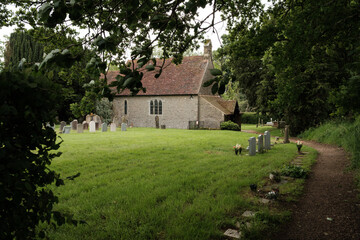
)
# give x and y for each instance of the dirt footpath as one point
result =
(329, 208)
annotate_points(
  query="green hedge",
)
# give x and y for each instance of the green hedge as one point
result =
(229, 125)
(253, 118)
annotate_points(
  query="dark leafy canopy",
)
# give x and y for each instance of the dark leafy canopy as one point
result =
(28, 101)
(300, 61)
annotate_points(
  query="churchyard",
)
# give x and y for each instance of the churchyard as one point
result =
(147, 183)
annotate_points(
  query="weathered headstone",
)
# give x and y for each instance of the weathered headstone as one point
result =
(113, 127)
(74, 124)
(123, 126)
(267, 140)
(92, 126)
(104, 127)
(157, 124)
(62, 125)
(97, 126)
(260, 143)
(252, 146)
(80, 128)
(286, 137)
(97, 119)
(88, 118)
(66, 129)
(85, 125)
(48, 125)
(163, 126)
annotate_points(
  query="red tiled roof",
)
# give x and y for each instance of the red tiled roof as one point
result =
(225, 106)
(183, 79)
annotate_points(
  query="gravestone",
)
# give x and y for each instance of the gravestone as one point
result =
(48, 125)
(267, 140)
(252, 146)
(104, 127)
(66, 129)
(163, 126)
(92, 126)
(80, 128)
(97, 119)
(74, 125)
(157, 124)
(88, 118)
(123, 126)
(113, 127)
(260, 143)
(286, 137)
(62, 125)
(97, 125)
(85, 125)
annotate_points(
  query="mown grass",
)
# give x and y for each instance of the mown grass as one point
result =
(273, 130)
(159, 184)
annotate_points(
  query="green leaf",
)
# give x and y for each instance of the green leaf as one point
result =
(215, 72)
(150, 67)
(44, 11)
(214, 88)
(222, 88)
(128, 81)
(208, 83)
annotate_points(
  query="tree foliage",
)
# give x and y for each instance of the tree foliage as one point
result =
(28, 102)
(300, 60)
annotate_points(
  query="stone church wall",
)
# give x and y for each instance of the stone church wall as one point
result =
(210, 115)
(177, 111)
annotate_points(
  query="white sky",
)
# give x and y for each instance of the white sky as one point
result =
(220, 28)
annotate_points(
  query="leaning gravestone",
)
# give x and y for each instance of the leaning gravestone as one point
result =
(80, 128)
(267, 140)
(74, 125)
(157, 122)
(85, 125)
(104, 127)
(62, 125)
(123, 126)
(92, 126)
(113, 127)
(260, 143)
(252, 146)
(66, 129)
(286, 139)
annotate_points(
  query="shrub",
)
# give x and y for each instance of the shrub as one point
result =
(229, 125)
(294, 171)
(27, 103)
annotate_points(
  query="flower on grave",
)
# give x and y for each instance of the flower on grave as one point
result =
(299, 145)
(237, 148)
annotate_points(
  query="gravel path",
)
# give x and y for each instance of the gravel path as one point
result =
(329, 208)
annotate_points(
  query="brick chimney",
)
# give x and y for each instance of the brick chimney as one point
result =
(207, 49)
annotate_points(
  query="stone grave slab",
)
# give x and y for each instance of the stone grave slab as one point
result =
(66, 129)
(92, 126)
(62, 125)
(232, 233)
(74, 124)
(80, 128)
(113, 127)
(252, 146)
(260, 144)
(104, 127)
(248, 213)
(123, 126)
(85, 125)
(267, 140)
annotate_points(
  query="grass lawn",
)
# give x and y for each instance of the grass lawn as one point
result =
(160, 184)
(274, 131)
